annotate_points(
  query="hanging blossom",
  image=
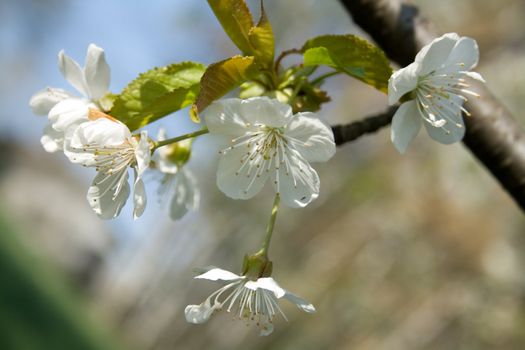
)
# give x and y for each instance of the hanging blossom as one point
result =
(178, 182)
(66, 110)
(435, 85)
(252, 300)
(268, 141)
(108, 145)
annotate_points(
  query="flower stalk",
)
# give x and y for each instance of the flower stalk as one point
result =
(180, 138)
(269, 228)
(258, 265)
(320, 79)
(283, 55)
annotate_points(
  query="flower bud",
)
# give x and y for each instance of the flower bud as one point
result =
(179, 153)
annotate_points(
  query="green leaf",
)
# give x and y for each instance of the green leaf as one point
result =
(157, 93)
(222, 77)
(263, 41)
(166, 104)
(237, 21)
(351, 55)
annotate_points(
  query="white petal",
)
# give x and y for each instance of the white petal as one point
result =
(186, 195)
(139, 197)
(434, 55)
(267, 283)
(201, 270)
(178, 205)
(454, 128)
(298, 185)
(465, 54)
(161, 158)
(238, 180)
(199, 314)
(266, 111)
(102, 196)
(104, 132)
(161, 135)
(217, 274)
(101, 132)
(316, 139)
(96, 72)
(405, 125)
(266, 329)
(42, 102)
(300, 302)
(475, 76)
(69, 112)
(165, 165)
(402, 82)
(193, 200)
(143, 153)
(224, 117)
(72, 72)
(454, 134)
(52, 140)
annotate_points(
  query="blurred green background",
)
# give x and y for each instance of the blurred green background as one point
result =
(423, 251)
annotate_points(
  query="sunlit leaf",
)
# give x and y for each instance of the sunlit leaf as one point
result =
(351, 55)
(237, 21)
(222, 77)
(263, 41)
(157, 93)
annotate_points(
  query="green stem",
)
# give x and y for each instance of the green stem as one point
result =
(269, 228)
(320, 78)
(180, 138)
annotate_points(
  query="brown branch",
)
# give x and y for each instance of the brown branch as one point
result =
(492, 135)
(350, 132)
(283, 55)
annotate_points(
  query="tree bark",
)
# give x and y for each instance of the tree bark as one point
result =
(352, 131)
(492, 134)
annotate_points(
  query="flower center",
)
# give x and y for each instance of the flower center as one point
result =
(112, 159)
(268, 149)
(258, 305)
(440, 98)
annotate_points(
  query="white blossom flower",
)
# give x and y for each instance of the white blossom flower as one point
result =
(109, 146)
(256, 301)
(65, 110)
(178, 182)
(436, 86)
(268, 141)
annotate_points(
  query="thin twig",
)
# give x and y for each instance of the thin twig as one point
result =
(352, 131)
(283, 55)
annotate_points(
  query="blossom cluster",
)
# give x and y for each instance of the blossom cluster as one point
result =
(266, 142)
(80, 129)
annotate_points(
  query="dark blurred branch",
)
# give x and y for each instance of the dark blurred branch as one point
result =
(350, 132)
(492, 135)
